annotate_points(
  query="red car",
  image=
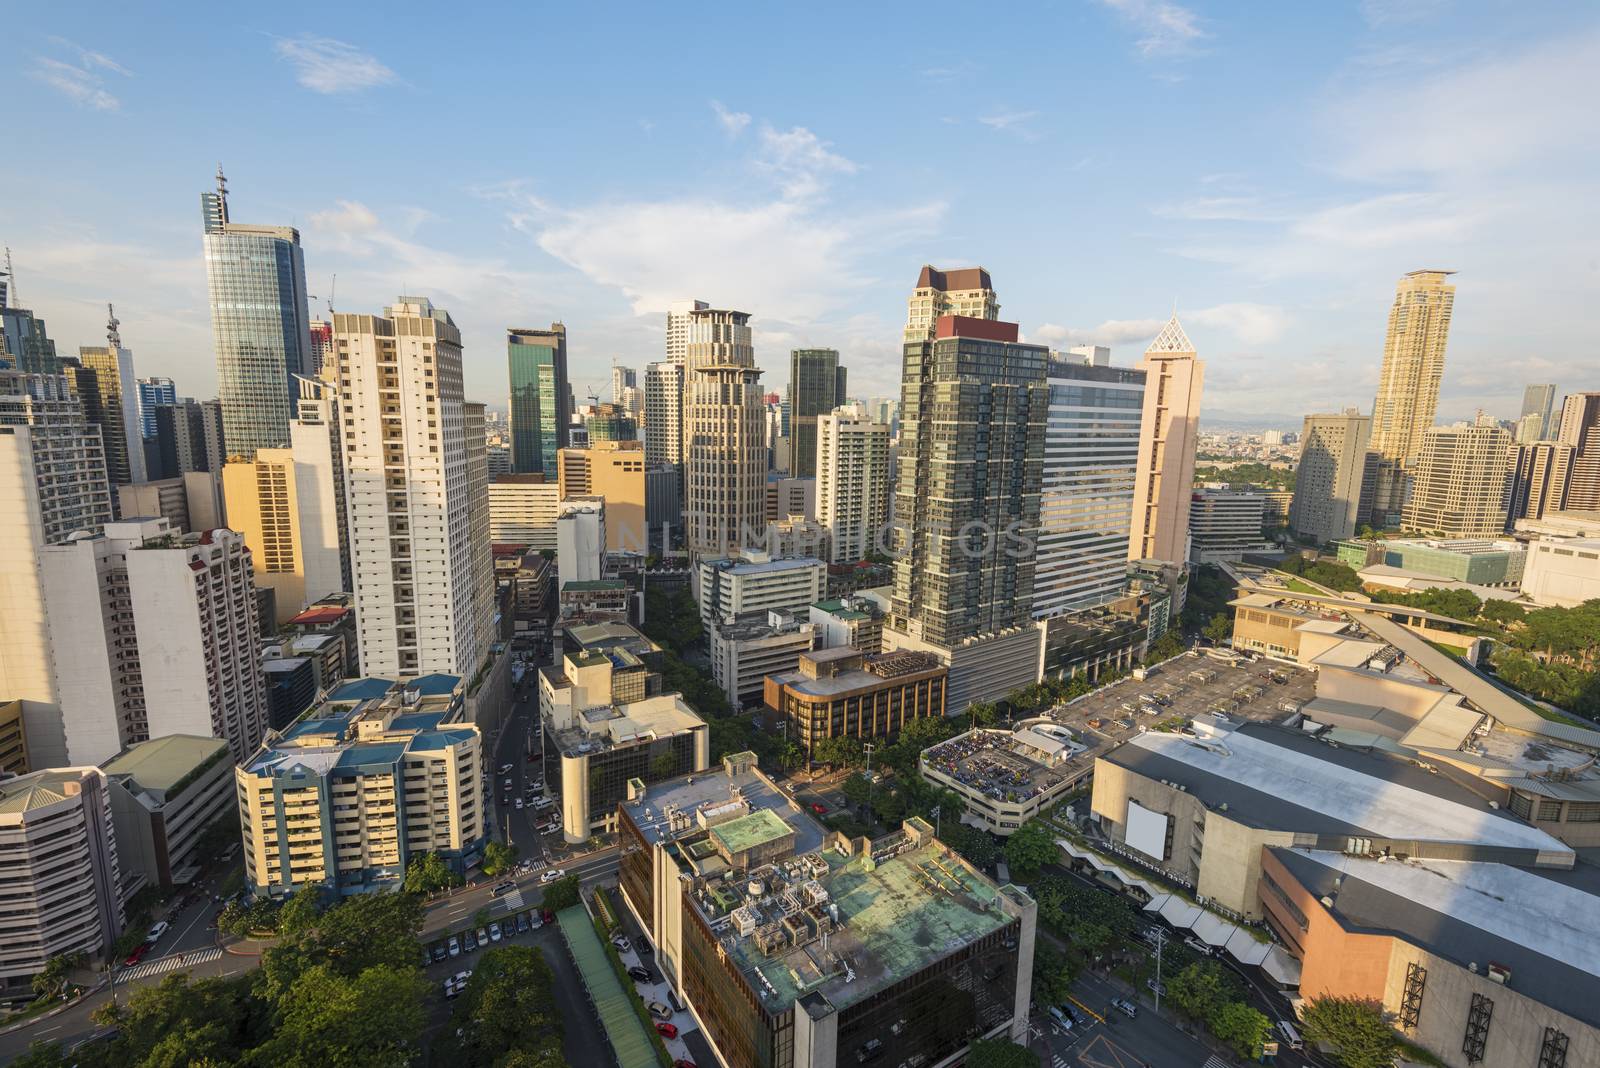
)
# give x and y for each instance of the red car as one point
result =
(137, 955)
(666, 1030)
(819, 808)
(549, 916)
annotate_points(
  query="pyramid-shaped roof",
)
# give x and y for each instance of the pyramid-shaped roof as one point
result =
(1172, 339)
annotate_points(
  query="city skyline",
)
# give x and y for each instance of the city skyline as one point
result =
(1279, 258)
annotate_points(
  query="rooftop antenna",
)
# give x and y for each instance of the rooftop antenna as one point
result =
(333, 288)
(113, 338)
(222, 194)
(11, 282)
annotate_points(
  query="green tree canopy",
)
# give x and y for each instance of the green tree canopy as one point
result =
(498, 858)
(429, 873)
(1029, 848)
(561, 894)
(373, 1018)
(1354, 1029)
(508, 1006)
(1000, 1053)
(1241, 1027)
(1200, 990)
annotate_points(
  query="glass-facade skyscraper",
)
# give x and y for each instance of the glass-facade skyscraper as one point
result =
(257, 281)
(540, 401)
(154, 391)
(816, 387)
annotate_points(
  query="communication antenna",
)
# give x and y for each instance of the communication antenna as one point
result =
(11, 282)
(113, 339)
(222, 194)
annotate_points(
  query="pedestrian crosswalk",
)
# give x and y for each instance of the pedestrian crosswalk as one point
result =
(1214, 1061)
(169, 963)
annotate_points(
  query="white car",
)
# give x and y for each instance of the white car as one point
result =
(505, 769)
(519, 802)
(552, 875)
(156, 932)
(622, 944)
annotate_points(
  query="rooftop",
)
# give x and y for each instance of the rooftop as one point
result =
(161, 763)
(761, 566)
(750, 831)
(1007, 766)
(1534, 922)
(319, 614)
(40, 789)
(709, 789)
(603, 727)
(612, 635)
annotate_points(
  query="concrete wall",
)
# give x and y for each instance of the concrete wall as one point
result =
(1230, 865)
(1405, 696)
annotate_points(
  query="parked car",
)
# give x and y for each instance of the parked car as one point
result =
(638, 974)
(1158, 989)
(1198, 946)
(666, 1030)
(155, 932)
(552, 875)
(438, 952)
(682, 1063)
(483, 936)
(622, 943)
(1126, 1007)
(819, 808)
(522, 922)
(454, 948)
(468, 942)
(450, 990)
(549, 916)
(137, 955)
(502, 888)
(659, 1010)
(494, 932)
(535, 921)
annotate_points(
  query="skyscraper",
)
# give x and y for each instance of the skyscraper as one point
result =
(116, 406)
(153, 391)
(611, 422)
(1461, 481)
(1168, 428)
(725, 454)
(1408, 384)
(679, 313)
(188, 438)
(257, 281)
(1539, 477)
(967, 292)
(321, 333)
(1540, 400)
(540, 400)
(1580, 428)
(420, 607)
(1327, 483)
(973, 415)
(663, 413)
(816, 387)
(1091, 457)
(25, 345)
(622, 379)
(852, 481)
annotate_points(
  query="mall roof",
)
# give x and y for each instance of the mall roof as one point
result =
(1280, 779)
(1537, 923)
(361, 689)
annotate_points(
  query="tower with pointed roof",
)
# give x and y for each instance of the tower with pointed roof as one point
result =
(1408, 385)
(1169, 426)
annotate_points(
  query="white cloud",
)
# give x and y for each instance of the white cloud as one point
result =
(800, 161)
(1011, 122)
(733, 122)
(1167, 29)
(1253, 324)
(325, 65)
(80, 82)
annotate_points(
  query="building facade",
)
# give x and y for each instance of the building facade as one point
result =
(1408, 383)
(1580, 428)
(816, 387)
(117, 405)
(1539, 477)
(852, 470)
(755, 582)
(967, 292)
(724, 451)
(746, 649)
(540, 399)
(1225, 524)
(1461, 484)
(1328, 480)
(165, 794)
(1539, 403)
(522, 511)
(663, 412)
(845, 693)
(1169, 427)
(615, 471)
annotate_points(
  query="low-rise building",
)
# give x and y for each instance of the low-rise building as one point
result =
(755, 581)
(798, 946)
(983, 668)
(853, 621)
(746, 649)
(165, 794)
(1563, 572)
(353, 791)
(596, 599)
(334, 617)
(60, 880)
(844, 693)
(1479, 561)
(1007, 777)
(1225, 524)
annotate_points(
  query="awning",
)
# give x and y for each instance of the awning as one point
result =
(1213, 929)
(1284, 969)
(1181, 913)
(1245, 949)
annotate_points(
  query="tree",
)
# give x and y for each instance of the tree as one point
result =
(982, 713)
(561, 894)
(372, 1019)
(508, 1006)
(300, 912)
(1498, 611)
(1354, 1029)
(1165, 647)
(1240, 1026)
(978, 847)
(52, 979)
(498, 858)
(1000, 1053)
(42, 1054)
(1029, 848)
(210, 1019)
(429, 874)
(1052, 974)
(1199, 990)
(1219, 629)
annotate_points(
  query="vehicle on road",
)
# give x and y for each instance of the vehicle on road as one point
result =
(638, 974)
(1158, 989)
(819, 808)
(502, 888)
(622, 943)
(519, 802)
(494, 932)
(454, 948)
(1291, 1037)
(1060, 1017)
(1126, 1007)
(1198, 946)
(137, 955)
(659, 1010)
(155, 933)
(552, 875)
(666, 1030)
(505, 769)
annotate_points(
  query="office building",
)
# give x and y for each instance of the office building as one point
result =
(615, 471)
(25, 343)
(754, 581)
(1004, 777)
(1168, 428)
(607, 724)
(846, 693)
(541, 402)
(256, 278)
(725, 459)
(1408, 384)
(605, 600)
(1539, 405)
(115, 404)
(833, 950)
(797, 535)
(1539, 476)
(1562, 571)
(852, 469)
(13, 739)
(52, 485)
(663, 413)
(1580, 428)
(1091, 456)
(1487, 562)
(622, 380)
(611, 422)
(153, 633)
(1225, 524)
(188, 438)
(190, 502)
(1462, 482)
(352, 792)
(786, 496)
(817, 385)
(746, 649)
(679, 314)
(522, 511)
(424, 593)
(165, 794)
(581, 540)
(1328, 480)
(60, 882)
(663, 503)
(291, 688)
(322, 347)
(966, 292)
(153, 391)
(853, 620)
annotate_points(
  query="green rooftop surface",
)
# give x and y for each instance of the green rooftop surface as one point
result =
(837, 608)
(895, 920)
(617, 1016)
(594, 584)
(750, 831)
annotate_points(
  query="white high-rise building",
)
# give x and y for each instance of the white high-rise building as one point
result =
(663, 413)
(52, 484)
(725, 451)
(154, 633)
(522, 511)
(420, 607)
(852, 481)
(581, 540)
(678, 314)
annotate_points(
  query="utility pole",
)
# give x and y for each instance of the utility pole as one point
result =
(867, 749)
(1161, 942)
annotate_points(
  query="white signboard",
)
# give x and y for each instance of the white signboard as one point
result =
(1147, 831)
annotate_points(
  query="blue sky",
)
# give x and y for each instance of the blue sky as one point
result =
(1272, 169)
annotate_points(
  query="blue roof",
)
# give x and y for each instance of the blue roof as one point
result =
(429, 740)
(362, 689)
(418, 721)
(358, 756)
(432, 685)
(335, 725)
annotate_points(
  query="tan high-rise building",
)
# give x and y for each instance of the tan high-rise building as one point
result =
(614, 470)
(1408, 385)
(1461, 482)
(679, 313)
(1580, 428)
(725, 452)
(1327, 483)
(1539, 478)
(1168, 429)
(966, 292)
